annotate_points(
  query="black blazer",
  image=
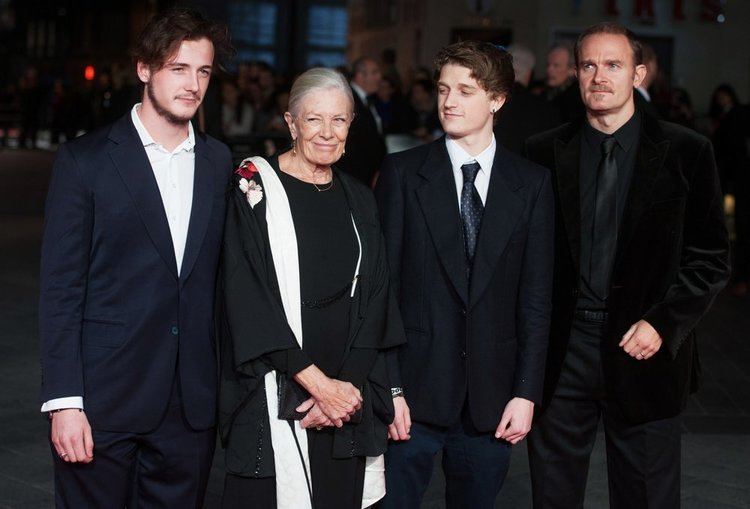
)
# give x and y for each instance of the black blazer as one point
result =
(485, 341)
(671, 260)
(115, 320)
(252, 324)
(365, 147)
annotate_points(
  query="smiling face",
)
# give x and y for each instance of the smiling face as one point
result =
(607, 73)
(321, 126)
(176, 90)
(464, 107)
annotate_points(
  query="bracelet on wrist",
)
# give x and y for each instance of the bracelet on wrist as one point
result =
(396, 392)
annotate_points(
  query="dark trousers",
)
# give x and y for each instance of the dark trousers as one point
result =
(643, 460)
(474, 463)
(167, 467)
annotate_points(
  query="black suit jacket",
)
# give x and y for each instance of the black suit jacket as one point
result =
(485, 341)
(671, 260)
(115, 320)
(365, 147)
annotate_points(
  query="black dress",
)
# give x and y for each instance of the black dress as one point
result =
(328, 251)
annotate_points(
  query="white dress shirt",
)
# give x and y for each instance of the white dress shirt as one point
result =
(459, 157)
(174, 172)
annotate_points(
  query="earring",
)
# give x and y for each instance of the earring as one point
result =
(294, 147)
(493, 110)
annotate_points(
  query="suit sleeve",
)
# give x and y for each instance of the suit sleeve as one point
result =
(704, 264)
(390, 199)
(535, 297)
(66, 246)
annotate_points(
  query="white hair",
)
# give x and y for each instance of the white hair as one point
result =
(523, 59)
(318, 78)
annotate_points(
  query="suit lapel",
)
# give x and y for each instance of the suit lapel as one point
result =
(203, 200)
(129, 157)
(439, 203)
(567, 163)
(652, 151)
(502, 210)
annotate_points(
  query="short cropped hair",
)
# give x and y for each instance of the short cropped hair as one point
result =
(318, 78)
(491, 66)
(163, 34)
(613, 29)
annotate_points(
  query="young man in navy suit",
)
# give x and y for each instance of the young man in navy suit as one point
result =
(133, 225)
(469, 229)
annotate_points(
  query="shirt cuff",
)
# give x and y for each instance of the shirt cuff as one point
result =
(58, 403)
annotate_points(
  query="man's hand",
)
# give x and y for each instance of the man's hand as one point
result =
(516, 420)
(71, 436)
(401, 426)
(315, 417)
(641, 341)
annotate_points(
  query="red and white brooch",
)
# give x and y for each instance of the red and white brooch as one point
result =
(252, 190)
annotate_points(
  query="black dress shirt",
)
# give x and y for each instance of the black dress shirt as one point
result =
(591, 154)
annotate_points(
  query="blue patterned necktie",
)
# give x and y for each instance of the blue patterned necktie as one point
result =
(471, 213)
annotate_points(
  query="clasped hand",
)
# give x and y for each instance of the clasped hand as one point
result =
(332, 404)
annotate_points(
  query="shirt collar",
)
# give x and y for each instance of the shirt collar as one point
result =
(361, 93)
(626, 135)
(187, 145)
(459, 156)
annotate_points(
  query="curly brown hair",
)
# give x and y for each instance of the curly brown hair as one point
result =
(490, 65)
(163, 34)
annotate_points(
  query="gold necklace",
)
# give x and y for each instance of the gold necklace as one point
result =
(320, 190)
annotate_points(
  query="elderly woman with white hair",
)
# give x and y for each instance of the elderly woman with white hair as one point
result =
(306, 319)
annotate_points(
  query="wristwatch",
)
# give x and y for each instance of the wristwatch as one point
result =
(396, 392)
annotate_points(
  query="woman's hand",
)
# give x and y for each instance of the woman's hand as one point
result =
(337, 399)
(315, 417)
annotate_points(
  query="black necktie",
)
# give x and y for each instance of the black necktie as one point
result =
(604, 241)
(471, 213)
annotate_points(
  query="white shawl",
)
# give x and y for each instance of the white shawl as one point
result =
(291, 486)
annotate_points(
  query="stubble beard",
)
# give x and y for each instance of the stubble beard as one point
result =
(165, 113)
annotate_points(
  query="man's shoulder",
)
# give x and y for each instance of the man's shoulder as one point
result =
(526, 170)
(216, 147)
(89, 143)
(547, 138)
(414, 157)
(681, 135)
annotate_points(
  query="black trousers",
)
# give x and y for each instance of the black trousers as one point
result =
(643, 460)
(167, 467)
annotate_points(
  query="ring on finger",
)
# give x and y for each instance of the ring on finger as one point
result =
(63, 455)
(641, 355)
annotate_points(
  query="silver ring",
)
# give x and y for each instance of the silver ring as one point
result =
(63, 455)
(318, 428)
(641, 355)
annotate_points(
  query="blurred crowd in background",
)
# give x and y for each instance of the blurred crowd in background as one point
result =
(245, 108)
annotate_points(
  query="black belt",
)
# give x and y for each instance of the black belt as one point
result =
(588, 315)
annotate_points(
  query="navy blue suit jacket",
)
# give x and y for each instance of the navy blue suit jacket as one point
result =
(116, 322)
(483, 340)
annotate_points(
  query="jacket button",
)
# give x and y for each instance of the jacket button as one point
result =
(175, 330)
(463, 354)
(463, 311)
